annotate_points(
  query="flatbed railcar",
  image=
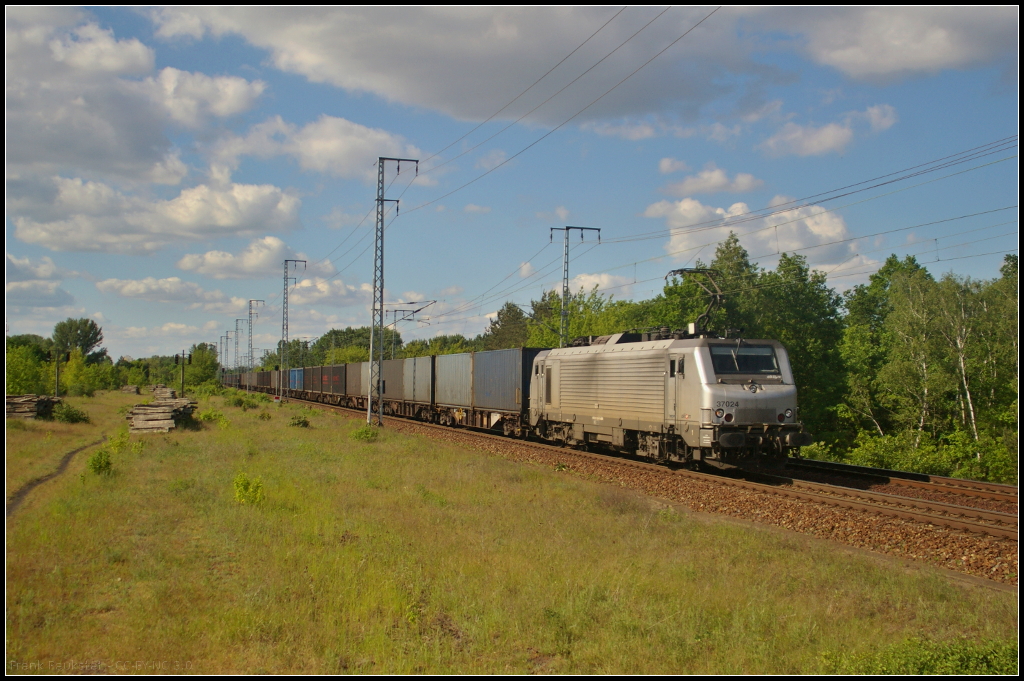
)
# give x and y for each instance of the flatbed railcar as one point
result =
(663, 396)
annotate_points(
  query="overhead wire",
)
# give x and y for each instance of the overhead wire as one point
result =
(564, 122)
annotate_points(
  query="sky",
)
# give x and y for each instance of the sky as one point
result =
(163, 163)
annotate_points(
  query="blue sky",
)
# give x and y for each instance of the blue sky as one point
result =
(161, 163)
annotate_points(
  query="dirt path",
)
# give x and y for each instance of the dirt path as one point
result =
(15, 501)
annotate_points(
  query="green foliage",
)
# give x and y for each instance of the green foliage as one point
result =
(204, 391)
(440, 345)
(65, 413)
(299, 421)
(264, 416)
(244, 400)
(101, 462)
(366, 433)
(916, 656)
(509, 329)
(248, 491)
(24, 371)
(40, 347)
(204, 368)
(82, 334)
(211, 415)
(956, 454)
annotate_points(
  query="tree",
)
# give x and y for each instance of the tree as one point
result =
(83, 334)
(204, 366)
(508, 329)
(25, 371)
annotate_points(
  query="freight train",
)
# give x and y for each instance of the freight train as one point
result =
(665, 396)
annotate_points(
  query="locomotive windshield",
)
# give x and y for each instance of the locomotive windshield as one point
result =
(745, 359)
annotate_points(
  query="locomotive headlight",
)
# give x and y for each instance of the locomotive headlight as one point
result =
(719, 413)
(789, 413)
(728, 418)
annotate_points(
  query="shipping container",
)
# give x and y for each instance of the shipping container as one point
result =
(314, 384)
(338, 379)
(501, 379)
(418, 380)
(393, 375)
(354, 379)
(307, 379)
(295, 379)
(453, 380)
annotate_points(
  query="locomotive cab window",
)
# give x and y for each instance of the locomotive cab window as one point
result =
(744, 359)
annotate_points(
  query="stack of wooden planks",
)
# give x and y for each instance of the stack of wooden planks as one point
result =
(30, 406)
(160, 416)
(162, 392)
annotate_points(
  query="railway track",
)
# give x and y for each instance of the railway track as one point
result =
(918, 481)
(979, 521)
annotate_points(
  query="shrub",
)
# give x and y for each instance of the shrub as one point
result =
(100, 462)
(366, 433)
(299, 421)
(248, 491)
(916, 656)
(263, 416)
(65, 413)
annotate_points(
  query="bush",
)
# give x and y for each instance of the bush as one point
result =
(916, 656)
(299, 421)
(248, 491)
(263, 416)
(366, 433)
(100, 462)
(65, 413)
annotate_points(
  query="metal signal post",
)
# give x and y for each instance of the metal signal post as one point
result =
(284, 311)
(565, 274)
(375, 388)
(252, 317)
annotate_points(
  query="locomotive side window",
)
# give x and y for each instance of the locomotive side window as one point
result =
(680, 370)
(745, 359)
(547, 385)
(671, 368)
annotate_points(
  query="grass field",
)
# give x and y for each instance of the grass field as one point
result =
(408, 555)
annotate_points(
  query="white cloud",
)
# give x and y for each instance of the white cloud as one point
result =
(491, 160)
(808, 140)
(886, 43)
(697, 228)
(610, 284)
(169, 290)
(712, 180)
(36, 293)
(526, 269)
(95, 49)
(329, 292)
(671, 165)
(633, 132)
(329, 145)
(189, 98)
(23, 269)
(465, 62)
(261, 258)
(473, 208)
(881, 117)
(559, 214)
(75, 215)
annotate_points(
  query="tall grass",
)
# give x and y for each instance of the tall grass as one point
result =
(406, 555)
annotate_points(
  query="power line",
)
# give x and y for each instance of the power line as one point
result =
(514, 99)
(567, 120)
(564, 88)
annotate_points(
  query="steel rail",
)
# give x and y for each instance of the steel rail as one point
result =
(932, 513)
(957, 485)
(910, 484)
